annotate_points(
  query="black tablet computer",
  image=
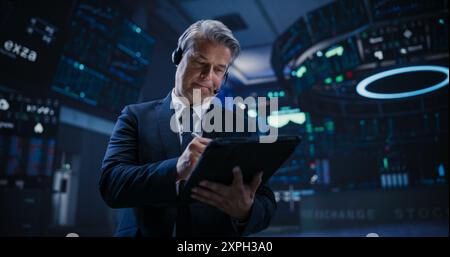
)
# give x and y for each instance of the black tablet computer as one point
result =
(223, 154)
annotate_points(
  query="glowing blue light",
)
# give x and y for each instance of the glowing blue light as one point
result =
(81, 67)
(441, 170)
(361, 88)
(138, 30)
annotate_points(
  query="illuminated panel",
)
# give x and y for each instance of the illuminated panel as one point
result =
(337, 17)
(104, 59)
(2, 154)
(281, 118)
(35, 156)
(391, 9)
(51, 151)
(294, 41)
(31, 40)
(327, 66)
(16, 156)
(361, 88)
(393, 41)
(28, 127)
(439, 33)
(79, 81)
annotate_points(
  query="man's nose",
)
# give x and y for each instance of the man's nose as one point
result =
(207, 73)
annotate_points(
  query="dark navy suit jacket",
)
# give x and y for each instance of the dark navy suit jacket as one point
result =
(138, 176)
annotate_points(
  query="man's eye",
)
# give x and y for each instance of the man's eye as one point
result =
(197, 62)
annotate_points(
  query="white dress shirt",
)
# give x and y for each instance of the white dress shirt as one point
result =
(199, 111)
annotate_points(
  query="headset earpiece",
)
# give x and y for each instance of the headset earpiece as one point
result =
(177, 55)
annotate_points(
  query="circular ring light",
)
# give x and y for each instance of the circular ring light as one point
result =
(361, 88)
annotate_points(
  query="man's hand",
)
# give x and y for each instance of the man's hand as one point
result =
(190, 156)
(235, 200)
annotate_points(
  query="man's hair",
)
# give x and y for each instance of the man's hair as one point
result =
(212, 30)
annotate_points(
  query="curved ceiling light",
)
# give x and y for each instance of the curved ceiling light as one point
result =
(361, 88)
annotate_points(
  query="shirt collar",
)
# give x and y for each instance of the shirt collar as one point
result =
(180, 106)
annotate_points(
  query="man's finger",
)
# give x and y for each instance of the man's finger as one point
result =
(207, 201)
(256, 181)
(202, 147)
(193, 159)
(209, 195)
(203, 140)
(198, 146)
(237, 176)
(215, 187)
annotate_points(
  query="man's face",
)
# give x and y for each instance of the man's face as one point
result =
(203, 68)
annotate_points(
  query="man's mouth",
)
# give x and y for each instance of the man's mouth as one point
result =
(197, 85)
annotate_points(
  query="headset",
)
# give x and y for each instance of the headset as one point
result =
(177, 55)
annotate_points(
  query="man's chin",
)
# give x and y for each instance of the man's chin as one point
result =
(204, 92)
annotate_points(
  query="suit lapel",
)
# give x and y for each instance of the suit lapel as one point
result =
(170, 140)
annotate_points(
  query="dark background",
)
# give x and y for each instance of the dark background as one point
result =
(365, 166)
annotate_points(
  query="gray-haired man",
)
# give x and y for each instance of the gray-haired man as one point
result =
(146, 160)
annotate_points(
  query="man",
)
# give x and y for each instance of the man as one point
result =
(146, 161)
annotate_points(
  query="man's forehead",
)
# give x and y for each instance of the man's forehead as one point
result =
(204, 57)
(204, 46)
(198, 55)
